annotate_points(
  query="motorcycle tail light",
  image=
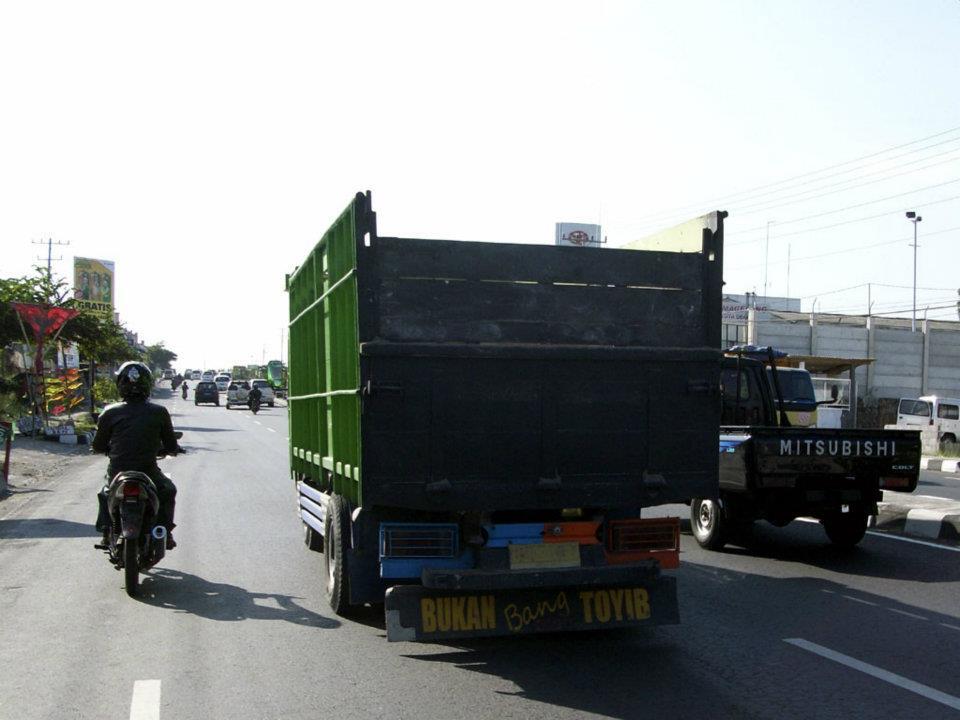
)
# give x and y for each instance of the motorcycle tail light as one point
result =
(131, 490)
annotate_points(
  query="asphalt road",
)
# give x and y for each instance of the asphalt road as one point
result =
(232, 623)
(939, 484)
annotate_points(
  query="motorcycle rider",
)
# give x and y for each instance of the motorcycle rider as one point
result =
(185, 388)
(253, 398)
(131, 432)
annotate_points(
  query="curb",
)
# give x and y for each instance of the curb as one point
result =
(930, 523)
(939, 464)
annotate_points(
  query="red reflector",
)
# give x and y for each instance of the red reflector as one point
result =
(131, 489)
(633, 540)
(894, 482)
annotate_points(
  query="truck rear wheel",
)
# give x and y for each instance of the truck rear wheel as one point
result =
(845, 530)
(708, 523)
(336, 534)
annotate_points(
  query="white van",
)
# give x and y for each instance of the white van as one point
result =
(944, 413)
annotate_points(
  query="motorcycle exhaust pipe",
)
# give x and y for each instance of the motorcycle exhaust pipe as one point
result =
(159, 544)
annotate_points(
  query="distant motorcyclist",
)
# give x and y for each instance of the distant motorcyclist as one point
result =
(131, 432)
(253, 397)
(175, 383)
(185, 388)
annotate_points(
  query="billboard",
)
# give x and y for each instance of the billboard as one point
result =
(578, 234)
(93, 286)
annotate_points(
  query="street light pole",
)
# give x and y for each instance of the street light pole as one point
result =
(914, 218)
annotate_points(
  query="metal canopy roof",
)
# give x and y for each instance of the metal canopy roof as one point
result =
(821, 364)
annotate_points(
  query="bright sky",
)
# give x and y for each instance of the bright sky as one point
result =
(205, 147)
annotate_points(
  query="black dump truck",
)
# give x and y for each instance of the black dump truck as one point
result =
(774, 472)
(475, 428)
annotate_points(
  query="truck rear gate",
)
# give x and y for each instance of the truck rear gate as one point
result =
(429, 378)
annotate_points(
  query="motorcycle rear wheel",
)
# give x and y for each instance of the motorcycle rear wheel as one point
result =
(131, 568)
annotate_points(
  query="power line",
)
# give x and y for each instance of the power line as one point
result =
(748, 211)
(817, 256)
(848, 222)
(653, 218)
(850, 207)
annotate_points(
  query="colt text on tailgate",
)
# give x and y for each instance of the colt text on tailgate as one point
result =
(841, 448)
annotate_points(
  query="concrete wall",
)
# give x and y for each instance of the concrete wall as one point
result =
(907, 363)
(943, 368)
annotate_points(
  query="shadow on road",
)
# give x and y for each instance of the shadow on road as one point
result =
(644, 674)
(34, 528)
(183, 592)
(807, 543)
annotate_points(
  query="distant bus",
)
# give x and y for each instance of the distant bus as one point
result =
(276, 375)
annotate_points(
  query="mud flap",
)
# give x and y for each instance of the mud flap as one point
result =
(419, 614)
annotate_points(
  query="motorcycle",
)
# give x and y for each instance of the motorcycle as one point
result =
(134, 542)
(255, 405)
(184, 391)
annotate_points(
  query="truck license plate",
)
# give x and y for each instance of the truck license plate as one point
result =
(549, 555)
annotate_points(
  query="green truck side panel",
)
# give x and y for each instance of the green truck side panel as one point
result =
(324, 370)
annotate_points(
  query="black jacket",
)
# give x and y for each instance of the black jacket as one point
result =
(132, 432)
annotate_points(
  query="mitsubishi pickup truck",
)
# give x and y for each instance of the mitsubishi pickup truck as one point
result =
(775, 472)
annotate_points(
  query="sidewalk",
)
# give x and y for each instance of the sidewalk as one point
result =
(932, 462)
(920, 516)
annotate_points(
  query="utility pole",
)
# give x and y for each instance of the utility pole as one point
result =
(788, 269)
(914, 218)
(766, 258)
(50, 243)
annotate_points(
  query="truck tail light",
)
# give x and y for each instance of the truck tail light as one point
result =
(409, 540)
(633, 540)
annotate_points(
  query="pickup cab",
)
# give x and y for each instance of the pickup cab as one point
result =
(772, 471)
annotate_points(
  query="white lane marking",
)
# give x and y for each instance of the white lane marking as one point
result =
(879, 673)
(865, 602)
(145, 704)
(908, 614)
(914, 542)
(888, 536)
(271, 429)
(257, 422)
(952, 627)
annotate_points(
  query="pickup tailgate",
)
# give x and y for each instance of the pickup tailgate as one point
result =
(863, 454)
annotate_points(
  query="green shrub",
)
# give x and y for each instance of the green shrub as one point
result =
(105, 391)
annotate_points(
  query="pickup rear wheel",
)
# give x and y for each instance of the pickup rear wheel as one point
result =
(336, 533)
(708, 523)
(845, 530)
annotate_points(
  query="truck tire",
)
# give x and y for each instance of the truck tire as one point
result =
(336, 530)
(708, 523)
(845, 530)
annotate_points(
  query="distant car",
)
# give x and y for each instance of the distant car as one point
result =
(208, 376)
(206, 392)
(267, 396)
(237, 393)
(195, 375)
(167, 374)
(223, 382)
